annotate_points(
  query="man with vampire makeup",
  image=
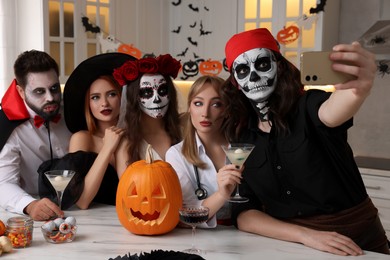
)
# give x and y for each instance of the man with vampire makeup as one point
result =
(32, 132)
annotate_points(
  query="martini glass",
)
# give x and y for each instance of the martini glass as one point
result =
(59, 179)
(237, 153)
(193, 216)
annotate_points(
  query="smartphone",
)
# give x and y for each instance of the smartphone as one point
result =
(316, 69)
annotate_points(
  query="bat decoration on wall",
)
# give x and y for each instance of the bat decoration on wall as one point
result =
(383, 67)
(193, 25)
(205, 8)
(89, 27)
(195, 56)
(192, 42)
(177, 30)
(195, 9)
(378, 39)
(320, 7)
(183, 53)
(202, 32)
(177, 3)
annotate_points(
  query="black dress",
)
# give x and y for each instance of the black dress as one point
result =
(80, 162)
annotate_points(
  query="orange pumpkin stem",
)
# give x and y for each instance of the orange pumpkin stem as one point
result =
(149, 154)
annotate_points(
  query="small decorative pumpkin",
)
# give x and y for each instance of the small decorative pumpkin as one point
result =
(288, 34)
(2, 228)
(210, 67)
(149, 197)
(190, 69)
(131, 50)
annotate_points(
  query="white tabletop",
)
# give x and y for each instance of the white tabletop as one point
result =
(101, 236)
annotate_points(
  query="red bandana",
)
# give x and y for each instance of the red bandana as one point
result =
(38, 121)
(248, 40)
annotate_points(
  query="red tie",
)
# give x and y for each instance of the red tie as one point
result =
(38, 121)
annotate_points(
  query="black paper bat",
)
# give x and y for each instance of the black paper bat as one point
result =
(205, 8)
(320, 7)
(177, 30)
(192, 42)
(202, 32)
(89, 27)
(193, 25)
(195, 9)
(195, 56)
(177, 3)
(183, 53)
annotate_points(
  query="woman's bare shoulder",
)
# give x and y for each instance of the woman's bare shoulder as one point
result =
(81, 140)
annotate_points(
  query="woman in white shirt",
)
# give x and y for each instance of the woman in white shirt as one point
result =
(199, 159)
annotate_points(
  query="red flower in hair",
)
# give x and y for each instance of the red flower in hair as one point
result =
(168, 65)
(131, 70)
(148, 65)
(127, 72)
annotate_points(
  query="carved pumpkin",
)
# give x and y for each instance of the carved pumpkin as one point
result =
(149, 197)
(288, 34)
(210, 67)
(130, 49)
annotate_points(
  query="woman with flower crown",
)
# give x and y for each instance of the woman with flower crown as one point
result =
(149, 108)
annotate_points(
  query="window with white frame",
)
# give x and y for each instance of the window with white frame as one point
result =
(70, 41)
(275, 15)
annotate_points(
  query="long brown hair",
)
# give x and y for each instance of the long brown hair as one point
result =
(232, 118)
(133, 118)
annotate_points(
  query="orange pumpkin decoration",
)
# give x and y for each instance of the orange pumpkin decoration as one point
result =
(288, 34)
(131, 50)
(210, 67)
(149, 197)
(2, 228)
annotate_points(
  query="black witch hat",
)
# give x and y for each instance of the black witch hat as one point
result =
(81, 79)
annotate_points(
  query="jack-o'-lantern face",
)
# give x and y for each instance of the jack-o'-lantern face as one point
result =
(146, 203)
(148, 198)
(130, 49)
(288, 34)
(190, 68)
(210, 67)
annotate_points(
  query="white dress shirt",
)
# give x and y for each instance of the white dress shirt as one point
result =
(25, 150)
(207, 177)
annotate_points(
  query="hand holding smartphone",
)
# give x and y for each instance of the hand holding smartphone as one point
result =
(316, 69)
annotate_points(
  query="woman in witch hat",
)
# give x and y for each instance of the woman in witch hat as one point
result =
(91, 105)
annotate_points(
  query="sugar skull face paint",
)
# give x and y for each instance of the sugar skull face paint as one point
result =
(153, 95)
(255, 72)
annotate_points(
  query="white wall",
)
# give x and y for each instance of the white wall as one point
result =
(370, 134)
(21, 29)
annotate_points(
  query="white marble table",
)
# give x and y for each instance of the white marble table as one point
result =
(101, 236)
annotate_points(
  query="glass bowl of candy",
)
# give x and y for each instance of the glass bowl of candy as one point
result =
(59, 230)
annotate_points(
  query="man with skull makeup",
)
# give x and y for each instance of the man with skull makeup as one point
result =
(149, 108)
(301, 179)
